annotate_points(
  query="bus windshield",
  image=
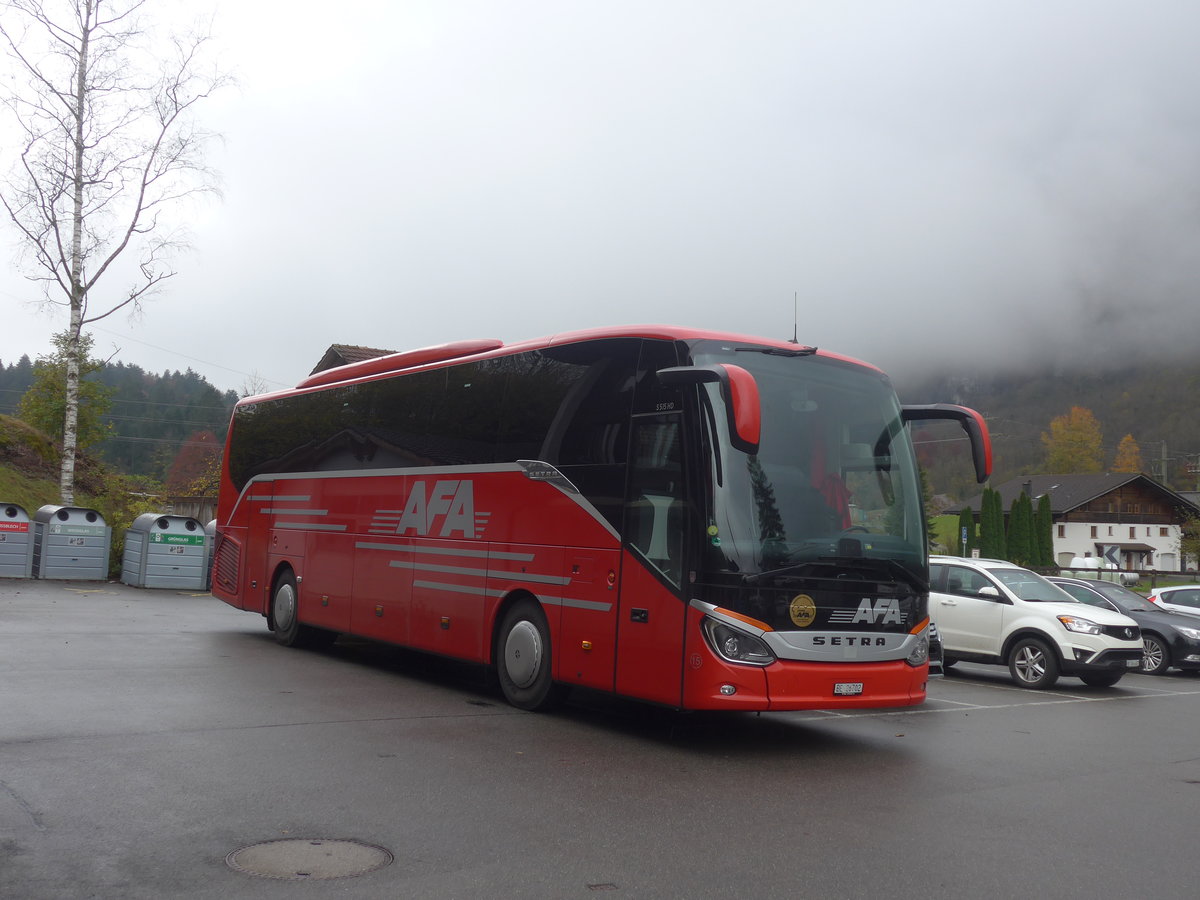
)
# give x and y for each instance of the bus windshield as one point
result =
(834, 478)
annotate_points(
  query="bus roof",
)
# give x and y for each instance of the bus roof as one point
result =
(411, 360)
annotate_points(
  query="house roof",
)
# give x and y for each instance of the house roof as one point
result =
(344, 354)
(1069, 492)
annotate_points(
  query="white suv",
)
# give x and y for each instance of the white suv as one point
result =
(991, 611)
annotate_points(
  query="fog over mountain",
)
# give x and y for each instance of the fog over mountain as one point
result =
(941, 187)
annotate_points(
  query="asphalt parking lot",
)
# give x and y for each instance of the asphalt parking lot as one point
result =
(153, 742)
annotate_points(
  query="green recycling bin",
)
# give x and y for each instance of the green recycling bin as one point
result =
(163, 551)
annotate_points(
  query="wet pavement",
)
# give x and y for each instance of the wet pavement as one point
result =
(160, 744)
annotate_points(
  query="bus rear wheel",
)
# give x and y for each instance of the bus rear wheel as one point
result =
(285, 619)
(523, 658)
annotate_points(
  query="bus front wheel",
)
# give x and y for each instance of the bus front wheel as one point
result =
(523, 658)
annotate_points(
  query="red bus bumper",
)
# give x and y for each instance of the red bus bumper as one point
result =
(711, 683)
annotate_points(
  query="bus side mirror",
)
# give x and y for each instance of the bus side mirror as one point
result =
(972, 423)
(739, 391)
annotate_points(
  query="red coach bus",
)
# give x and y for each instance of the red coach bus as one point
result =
(696, 519)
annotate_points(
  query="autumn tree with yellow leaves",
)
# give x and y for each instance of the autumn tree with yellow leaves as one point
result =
(1074, 443)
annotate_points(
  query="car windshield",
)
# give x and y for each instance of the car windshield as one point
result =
(1031, 586)
(1127, 598)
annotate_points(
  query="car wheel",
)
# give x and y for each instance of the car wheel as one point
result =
(1156, 656)
(1032, 664)
(948, 661)
(1102, 679)
(523, 658)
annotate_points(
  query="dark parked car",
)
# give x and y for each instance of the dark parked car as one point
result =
(1168, 638)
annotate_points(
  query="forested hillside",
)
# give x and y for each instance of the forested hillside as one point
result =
(1156, 404)
(153, 417)
(156, 416)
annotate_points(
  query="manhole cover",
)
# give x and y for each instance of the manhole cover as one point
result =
(300, 859)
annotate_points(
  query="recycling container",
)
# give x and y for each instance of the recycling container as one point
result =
(71, 542)
(164, 551)
(16, 542)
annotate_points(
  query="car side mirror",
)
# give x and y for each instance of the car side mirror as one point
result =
(988, 591)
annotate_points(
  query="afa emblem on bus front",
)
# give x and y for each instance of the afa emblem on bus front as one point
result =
(803, 610)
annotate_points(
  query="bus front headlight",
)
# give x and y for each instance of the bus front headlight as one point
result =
(920, 652)
(737, 646)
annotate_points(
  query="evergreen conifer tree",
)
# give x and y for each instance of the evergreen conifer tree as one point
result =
(966, 522)
(1044, 527)
(1001, 548)
(989, 547)
(1020, 531)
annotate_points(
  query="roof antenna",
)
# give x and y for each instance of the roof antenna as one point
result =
(796, 318)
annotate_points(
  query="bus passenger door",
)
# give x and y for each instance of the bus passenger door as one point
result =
(652, 613)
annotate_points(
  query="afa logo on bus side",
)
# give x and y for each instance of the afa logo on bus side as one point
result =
(448, 508)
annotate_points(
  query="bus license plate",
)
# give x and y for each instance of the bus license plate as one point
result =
(847, 688)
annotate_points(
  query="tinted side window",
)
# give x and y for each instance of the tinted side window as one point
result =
(652, 396)
(309, 432)
(536, 389)
(1083, 595)
(593, 425)
(589, 438)
(398, 421)
(464, 425)
(965, 582)
(655, 514)
(937, 577)
(1184, 598)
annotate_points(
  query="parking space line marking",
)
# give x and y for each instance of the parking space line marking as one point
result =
(956, 702)
(1058, 700)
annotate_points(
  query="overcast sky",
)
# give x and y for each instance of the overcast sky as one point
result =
(937, 182)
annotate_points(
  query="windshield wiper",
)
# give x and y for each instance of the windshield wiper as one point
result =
(846, 564)
(777, 351)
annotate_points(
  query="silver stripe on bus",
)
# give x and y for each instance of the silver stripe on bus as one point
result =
(459, 570)
(481, 553)
(569, 602)
(309, 526)
(591, 605)
(456, 588)
(444, 570)
(525, 576)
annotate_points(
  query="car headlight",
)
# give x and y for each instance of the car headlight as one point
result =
(1081, 626)
(1192, 633)
(736, 645)
(920, 653)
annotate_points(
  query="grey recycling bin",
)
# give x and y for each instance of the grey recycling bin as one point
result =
(16, 542)
(164, 552)
(210, 542)
(71, 542)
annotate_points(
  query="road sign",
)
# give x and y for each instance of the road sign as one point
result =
(1112, 554)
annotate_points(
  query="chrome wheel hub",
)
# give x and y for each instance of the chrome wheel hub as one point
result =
(523, 654)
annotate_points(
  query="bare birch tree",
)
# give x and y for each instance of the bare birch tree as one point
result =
(106, 147)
